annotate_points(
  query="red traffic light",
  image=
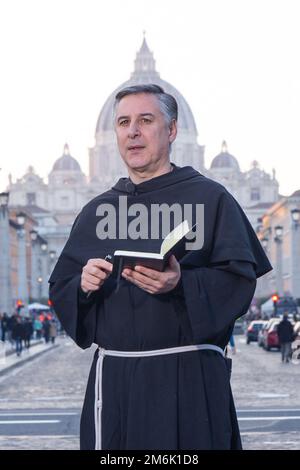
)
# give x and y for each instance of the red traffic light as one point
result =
(275, 298)
(20, 303)
(50, 303)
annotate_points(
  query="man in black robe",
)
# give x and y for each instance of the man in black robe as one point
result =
(159, 379)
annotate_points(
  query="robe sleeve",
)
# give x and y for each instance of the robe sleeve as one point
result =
(216, 296)
(218, 293)
(235, 239)
(76, 313)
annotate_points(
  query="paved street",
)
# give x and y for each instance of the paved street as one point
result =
(267, 398)
(40, 403)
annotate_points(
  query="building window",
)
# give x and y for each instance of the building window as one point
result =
(255, 194)
(30, 199)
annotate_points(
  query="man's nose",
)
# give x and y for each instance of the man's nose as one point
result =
(133, 130)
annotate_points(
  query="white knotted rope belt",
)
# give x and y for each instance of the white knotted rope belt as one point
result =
(156, 352)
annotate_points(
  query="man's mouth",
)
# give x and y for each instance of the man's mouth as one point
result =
(136, 147)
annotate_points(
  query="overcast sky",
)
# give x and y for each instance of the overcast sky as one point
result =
(235, 61)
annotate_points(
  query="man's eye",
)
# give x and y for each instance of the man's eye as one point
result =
(146, 120)
(124, 122)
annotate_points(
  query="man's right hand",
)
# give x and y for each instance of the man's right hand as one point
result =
(94, 274)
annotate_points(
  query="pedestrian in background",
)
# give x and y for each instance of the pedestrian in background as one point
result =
(4, 326)
(46, 329)
(52, 331)
(285, 333)
(37, 326)
(232, 344)
(18, 335)
(28, 331)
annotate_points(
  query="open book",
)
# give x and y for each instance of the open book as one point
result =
(174, 243)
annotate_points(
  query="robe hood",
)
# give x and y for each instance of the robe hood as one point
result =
(126, 186)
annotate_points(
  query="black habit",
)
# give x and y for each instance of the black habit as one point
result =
(178, 401)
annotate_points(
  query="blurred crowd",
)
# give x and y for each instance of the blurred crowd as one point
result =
(18, 331)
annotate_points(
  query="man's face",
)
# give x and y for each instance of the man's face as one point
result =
(143, 133)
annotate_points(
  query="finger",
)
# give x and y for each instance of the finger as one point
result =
(93, 279)
(100, 263)
(173, 263)
(147, 281)
(152, 273)
(100, 275)
(94, 271)
(87, 286)
(141, 285)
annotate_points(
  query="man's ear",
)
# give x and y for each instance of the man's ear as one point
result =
(172, 131)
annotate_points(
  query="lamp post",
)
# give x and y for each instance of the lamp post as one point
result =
(44, 262)
(5, 264)
(278, 241)
(40, 282)
(34, 264)
(295, 213)
(52, 256)
(263, 283)
(295, 255)
(22, 264)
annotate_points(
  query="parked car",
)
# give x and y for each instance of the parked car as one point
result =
(297, 330)
(253, 330)
(270, 336)
(260, 336)
(262, 332)
(296, 342)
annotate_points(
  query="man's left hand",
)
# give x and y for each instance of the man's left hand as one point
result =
(152, 281)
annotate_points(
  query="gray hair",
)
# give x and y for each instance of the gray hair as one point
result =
(167, 103)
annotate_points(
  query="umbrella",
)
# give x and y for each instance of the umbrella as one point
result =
(37, 306)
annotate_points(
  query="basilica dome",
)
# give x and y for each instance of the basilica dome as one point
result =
(66, 162)
(225, 160)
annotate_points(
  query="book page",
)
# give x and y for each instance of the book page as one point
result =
(173, 237)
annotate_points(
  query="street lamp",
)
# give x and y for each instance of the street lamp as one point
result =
(278, 231)
(278, 240)
(52, 256)
(21, 217)
(33, 235)
(44, 247)
(22, 259)
(34, 264)
(5, 265)
(295, 213)
(44, 273)
(295, 268)
(40, 282)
